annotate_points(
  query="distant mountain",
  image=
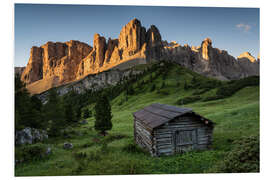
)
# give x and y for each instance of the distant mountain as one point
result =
(55, 64)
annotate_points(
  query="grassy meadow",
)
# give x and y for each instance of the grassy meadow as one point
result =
(236, 116)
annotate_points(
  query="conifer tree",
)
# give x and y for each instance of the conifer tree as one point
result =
(69, 113)
(27, 109)
(185, 85)
(103, 115)
(54, 113)
(86, 113)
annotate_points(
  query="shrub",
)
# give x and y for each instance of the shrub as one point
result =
(233, 86)
(86, 145)
(187, 100)
(31, 152)
(243, 158)
(163, 92)
(111, 138)
(94, 156)
(211, 98)
(200, 91)
(104, 148)
(132, 148)
(80, 155)
(153, 87)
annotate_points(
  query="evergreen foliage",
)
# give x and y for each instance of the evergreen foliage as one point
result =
(243, 158)
(103, 115)
(28, 110)
(54, 113)
(69, 113)
(86, 113)
(153, 87)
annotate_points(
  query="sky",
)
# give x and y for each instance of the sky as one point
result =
(235, 30)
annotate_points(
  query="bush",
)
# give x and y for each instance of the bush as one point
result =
(111, 138)
(163, 92)
(200, 91)
(80, 155)
(187, 100)
(243, 158)
(211, 98)
(233, 86)
(31, 152)
(94, 156)
(153, 87)
(132, 148)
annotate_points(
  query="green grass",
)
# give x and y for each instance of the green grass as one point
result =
(235, 117)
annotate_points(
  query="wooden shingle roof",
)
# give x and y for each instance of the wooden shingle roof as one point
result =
(157, 114)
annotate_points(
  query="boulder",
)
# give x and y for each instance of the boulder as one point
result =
(68, 145)
(29, 136)
(83, 122)
(48, 151)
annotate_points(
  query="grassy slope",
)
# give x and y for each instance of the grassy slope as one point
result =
(235, 117)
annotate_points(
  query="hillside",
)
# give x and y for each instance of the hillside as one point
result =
(233, 106)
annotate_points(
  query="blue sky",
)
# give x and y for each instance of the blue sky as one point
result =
(233, 29)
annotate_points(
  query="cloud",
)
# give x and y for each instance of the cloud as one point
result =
(243, 27)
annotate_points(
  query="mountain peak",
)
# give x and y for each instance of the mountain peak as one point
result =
(246, 55)
(207, 42)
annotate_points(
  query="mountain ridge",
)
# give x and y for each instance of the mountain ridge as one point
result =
(55, 64)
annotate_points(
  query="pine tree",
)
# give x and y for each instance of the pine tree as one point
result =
(86, 113)
(69, 113)
(153, 87)
(78, 113)
(185, 85)
(103, 115)
(27, 109)
(163, 85)
(54, 113)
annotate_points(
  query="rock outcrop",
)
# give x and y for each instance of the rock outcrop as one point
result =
(30, 136)
(55, 64)
(210, 61)
(57, 60)
(206, 45)
(247, 56)
(133, 43)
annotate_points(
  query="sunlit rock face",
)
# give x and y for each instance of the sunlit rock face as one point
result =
(33, 70)
(55, 64)
(133, 43)
(247, 56)
(206, 44)
(59, 60)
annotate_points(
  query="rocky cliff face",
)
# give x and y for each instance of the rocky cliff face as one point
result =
(55, 64)
(210, 61)
(59, 60)
(133, 43)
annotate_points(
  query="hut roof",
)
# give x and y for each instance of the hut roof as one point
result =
(157, 114)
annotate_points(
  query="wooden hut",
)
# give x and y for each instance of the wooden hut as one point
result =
(165, 130)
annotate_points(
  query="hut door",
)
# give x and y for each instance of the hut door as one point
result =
(185, 140)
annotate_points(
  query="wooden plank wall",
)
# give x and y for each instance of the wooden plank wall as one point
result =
(143, 137)
(163, 136)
